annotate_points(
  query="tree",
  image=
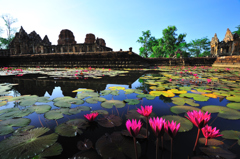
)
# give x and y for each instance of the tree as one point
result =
(147, 42)
(238, 31)
(200, 47)
(169, 43)
(9, 21)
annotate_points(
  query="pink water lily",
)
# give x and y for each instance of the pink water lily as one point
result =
(133, 127)
(209, 133)
(145, 111)
(170, 80)
(172, 128)
(91, 116)
(209, 80)
(198, 118)
(158, 126)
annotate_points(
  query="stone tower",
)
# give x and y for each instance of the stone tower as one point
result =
(66, 37)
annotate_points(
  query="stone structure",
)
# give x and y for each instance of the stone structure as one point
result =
(66, 37)
(32, 43)
(229, 46)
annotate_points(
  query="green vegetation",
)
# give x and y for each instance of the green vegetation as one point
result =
(237, 31)
(9, 21)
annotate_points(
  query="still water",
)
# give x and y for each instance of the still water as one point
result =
(53, 88)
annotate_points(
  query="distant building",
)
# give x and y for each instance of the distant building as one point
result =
(229, 46)
(32, 43)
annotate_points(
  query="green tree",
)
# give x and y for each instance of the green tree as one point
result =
(199, 47)
(147, 42)
(237, 31)
(9, 21)
(169, 43)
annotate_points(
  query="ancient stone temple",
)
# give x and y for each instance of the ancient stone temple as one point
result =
(229, 46)
(32, 43)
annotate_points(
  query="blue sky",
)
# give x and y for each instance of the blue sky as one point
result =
(121, 22)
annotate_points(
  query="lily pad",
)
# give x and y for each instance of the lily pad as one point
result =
(234, 106)
(54, 150)
(78, 109)
(116, 146)
(71, 128)
(110, 103)
(40, 109)
(2, 103)
(182, 109)
(6, 125)
(147, 96)
(116, 88)
(87, 94)
(83, 90)
(132, 101)
(217, 151)
(23, 130)
(27, 145)
(231, 134)
(186, 125)
(95, 100)
(211, 142)
(67, 102)
(196, 97)
(56, 113)
(234, 98)
(103, 112)
(129, 91)
(182, 101)
(223, 112)
(110, 121)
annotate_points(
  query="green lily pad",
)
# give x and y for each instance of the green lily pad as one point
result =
(185, 88)
(94, 100)
(211, 142)
(103, 112)
(8, 110)
(132, 101)
(217, 151)
(196, 97)
(83, 90)
(43, 99)
(27, 146)
(23, 130)
(182, 101)
(12, 113)
(110, 103)
(56, 113)
(204, 91)
(223, 112)
(40, 109)
(6, 125)
(87, 94)
(2, 103)
(79, 109)
(147, 96)
(6, 97)
(67, 102)
(234, 105)
(105, 92)
(54, 150)
(71, 128)
(182, 109)
(110, 121)
(186, 125)
(234, 98)
(231, 134)
(116, 146)
(28, 102)
(129, 91)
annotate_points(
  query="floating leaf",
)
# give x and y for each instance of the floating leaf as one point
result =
(211, 142)
(186, 125)
(204, 91)
(87, 94)
(71, 128)
(182, 109)
(116, 146)
(231, 134)
(210, 95)
(196, 97)
(40, 109)
(6, 97)
(105, 92)
(43, 99)
(23, 130)
(234, 98)
(110, 121)
(95, 100)
(217, 151)
(148, 96)
(223, 112)
(103, 112)
(2, 103)
(182, 101)
(156, 93)
(83, 90)
(185, 88)
(67, 102)
(84, 145)
(6, 125)
(54, 150)
(116, 88)
(27, 145)
(56, 113)
(132, 101)
(79, 109)
(234, 105)
(110, 103)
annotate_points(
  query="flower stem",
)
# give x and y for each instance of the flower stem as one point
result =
(157, 148)
(135, 147)
(162, 141)
(206, 142)
(147, 128)
(171, 148)
(196, 139)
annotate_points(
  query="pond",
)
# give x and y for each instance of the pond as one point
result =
(42, 112)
